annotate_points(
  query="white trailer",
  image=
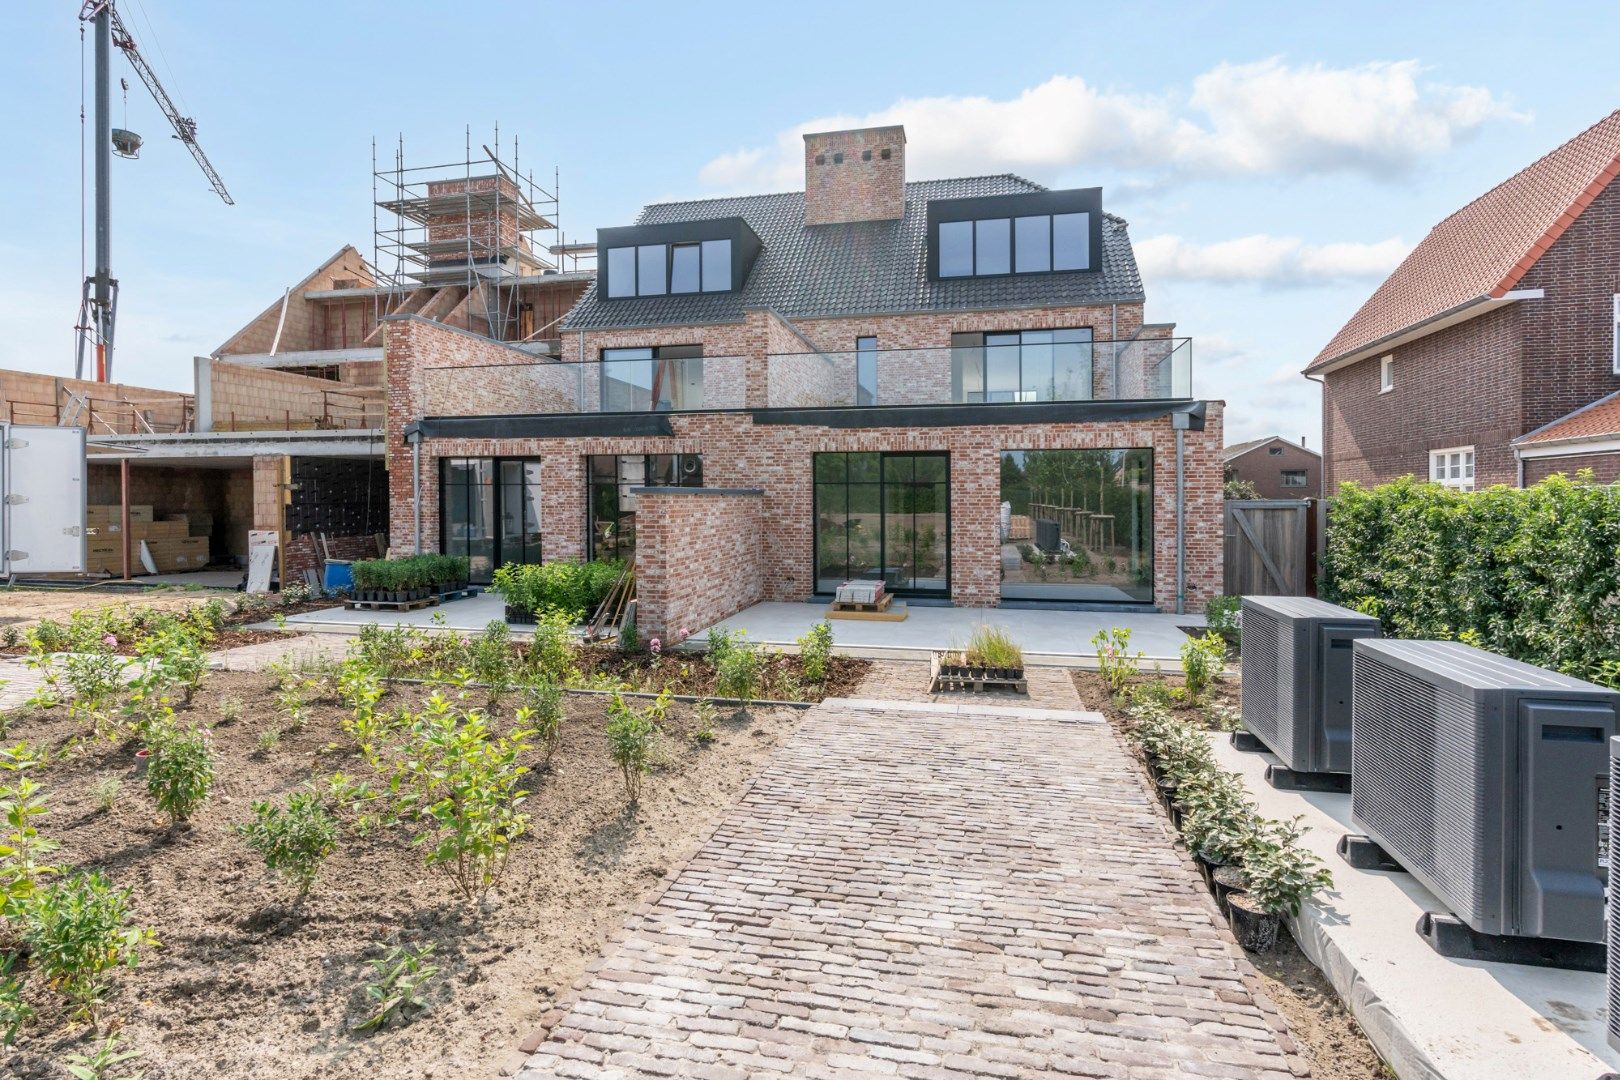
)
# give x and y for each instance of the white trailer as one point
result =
(42, 500)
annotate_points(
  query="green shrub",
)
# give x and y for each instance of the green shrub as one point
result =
(630, 733)
(1115, 663)
(1222, 614)
(410, 572)
(397, 991)
(14, 1011)
(815, 649)
(1528, 573)
(1202, 660)
(294, 841)
(23, 850)
(550, 657)
(179, 769)
(573, 590)
(736, 673)
(542, 712)
(1280, 873)
(77, 936)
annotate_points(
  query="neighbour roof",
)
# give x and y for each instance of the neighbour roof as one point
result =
(857, 268)
(1485, 249)
(1237, 450)
(1598, 420)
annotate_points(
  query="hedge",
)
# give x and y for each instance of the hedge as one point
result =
(1530, 573)
(572, 589)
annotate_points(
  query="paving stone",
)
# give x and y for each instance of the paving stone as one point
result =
(928, 894)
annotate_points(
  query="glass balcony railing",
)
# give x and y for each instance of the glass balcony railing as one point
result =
(1136, 370)
(607, 386)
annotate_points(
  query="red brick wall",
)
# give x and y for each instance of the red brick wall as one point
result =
(853, 189)
(1605, 466)
(1457, 387)
(699, 559)
(1264, 470)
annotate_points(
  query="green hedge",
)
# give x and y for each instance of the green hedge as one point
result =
(409, 572)
(572, 589)
(1533, 574)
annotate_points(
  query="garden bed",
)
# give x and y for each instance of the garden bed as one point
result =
(1328, 1037)
(246, 983)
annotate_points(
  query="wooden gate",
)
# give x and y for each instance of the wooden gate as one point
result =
(1270, 547)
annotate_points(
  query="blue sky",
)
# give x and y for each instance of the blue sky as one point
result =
(1274, 161)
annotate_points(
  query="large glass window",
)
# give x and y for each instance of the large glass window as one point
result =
(685, 268)
(489, 511)
(612, 504)
(885, 516)
(1022, 365)
(1077, 525)
(656, 269)
(716, 265)
(664, 379)
(1032, 244)
(621, 266)
(650, 269)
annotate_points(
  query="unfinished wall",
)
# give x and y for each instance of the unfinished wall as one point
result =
(699, 557)
(217, 499)
(28, 397)
(240, 398)
(305, 327)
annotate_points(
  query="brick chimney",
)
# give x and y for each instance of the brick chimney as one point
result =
(854, 175)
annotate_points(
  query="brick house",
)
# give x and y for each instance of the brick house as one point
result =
(1277, 468)
(1488, 355)
(945, 384)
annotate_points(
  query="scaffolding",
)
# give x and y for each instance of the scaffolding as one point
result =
(479, 226)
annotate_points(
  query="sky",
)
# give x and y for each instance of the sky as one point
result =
(1274, 161)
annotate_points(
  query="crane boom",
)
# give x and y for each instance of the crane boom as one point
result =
(185, 128)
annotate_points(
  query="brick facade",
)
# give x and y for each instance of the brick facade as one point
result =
(1605, 467)
(1486, 381)
(1264, 469)
(699, 558)
(854, 175)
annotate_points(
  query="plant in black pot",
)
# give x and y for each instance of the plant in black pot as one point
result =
(516, 586)
(1280, 876)
(1186, 759)
(1217, 818)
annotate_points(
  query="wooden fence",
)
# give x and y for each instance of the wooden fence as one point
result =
(1272, 546)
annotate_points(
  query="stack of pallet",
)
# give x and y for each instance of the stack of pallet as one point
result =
(169, 542)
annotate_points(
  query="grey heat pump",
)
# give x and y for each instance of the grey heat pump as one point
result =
(1613, 827)
(1296, 684)
(1488, 780)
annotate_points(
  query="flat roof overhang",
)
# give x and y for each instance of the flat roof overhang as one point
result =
(568, 425)
(202, 447)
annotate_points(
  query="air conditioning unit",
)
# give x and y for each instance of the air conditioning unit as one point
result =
(1296, 684)
(1488, 780)
(1612, 827)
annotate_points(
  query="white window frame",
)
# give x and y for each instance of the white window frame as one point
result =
(1452, 466)
(1303, 476)
(1386, 374)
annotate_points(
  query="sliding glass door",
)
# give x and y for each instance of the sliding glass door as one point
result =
(489, 511)
(1077, 525)
(881, 515)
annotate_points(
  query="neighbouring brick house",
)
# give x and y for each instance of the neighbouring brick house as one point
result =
(945, 384)
(1277, 468)
(1487, 356)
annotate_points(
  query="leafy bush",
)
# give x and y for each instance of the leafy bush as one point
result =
(551, 650)
(630, 733)
(23, 850)
(1528, 573)
(179, 769)
(1115, 663)
(571, 589)
(14, 1011)
(541, 712)
(1280, 873)
(410, 572)
(1202, 660)
(293, 842)
(1224, 615)
(736, 672)
(77, 935)
(815, 648)
(704, 715)
(400, 976)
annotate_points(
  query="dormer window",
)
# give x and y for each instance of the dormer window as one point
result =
(995, 236)
(675, 259)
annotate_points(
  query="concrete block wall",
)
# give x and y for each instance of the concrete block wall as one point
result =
(699, 555)
(255, 398)
(305, 325)
(28, 397)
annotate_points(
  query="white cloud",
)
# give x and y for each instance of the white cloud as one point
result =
(1266, 260)
(1379, 119)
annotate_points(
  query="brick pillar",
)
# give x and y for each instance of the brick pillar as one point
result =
(562, 505)
(975, 493)
(267, 495)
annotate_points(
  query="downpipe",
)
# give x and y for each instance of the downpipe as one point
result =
(416, 494)
(1181, 521)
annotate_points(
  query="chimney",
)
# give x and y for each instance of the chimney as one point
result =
(855, 175)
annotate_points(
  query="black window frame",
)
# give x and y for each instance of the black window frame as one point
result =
(679, 475)
(881, 483)
(718, 271)
(659, 356)
(866, 358)
(498, 495)
(962, 343)
(1047, 204)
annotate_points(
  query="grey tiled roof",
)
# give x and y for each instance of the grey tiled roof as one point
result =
(860, 268)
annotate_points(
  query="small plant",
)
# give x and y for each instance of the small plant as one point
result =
(294, 841)
(23, 849)
(736, 672)
(106, 792)
(1224, 614)
(1202, 661)
(551, 651)
(815, 649)
(541, 711)
(704, 715)
(1281, 874)
(14, 1011)
(397, 991)
(109, 1062)
(295, 592)
(629, 638)
(77, 936)
(230, 710)
(180, 769)
(1115, 662)
(269, 739)
(490, 657)
(993, 647)
(630, 733)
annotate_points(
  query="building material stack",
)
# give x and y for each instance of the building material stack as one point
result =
(170, 542)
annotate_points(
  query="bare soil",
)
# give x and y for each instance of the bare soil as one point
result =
(246, 984)
(24, 607)
(692, 674)
(1328, 1037)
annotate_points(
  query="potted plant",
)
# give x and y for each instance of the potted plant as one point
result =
(1280, 876)
(1217, 819)
(515, 585)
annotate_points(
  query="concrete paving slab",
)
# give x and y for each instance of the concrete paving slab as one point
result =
(468, 613)
(1047, 636)
(1429, 1016)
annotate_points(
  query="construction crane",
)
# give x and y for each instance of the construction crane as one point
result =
(98, 308)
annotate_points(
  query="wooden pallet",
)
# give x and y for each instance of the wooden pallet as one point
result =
(942, 680)
(391, 605)
(880, 611)
(458, 594)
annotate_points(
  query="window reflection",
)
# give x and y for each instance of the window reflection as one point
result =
(1077, 525)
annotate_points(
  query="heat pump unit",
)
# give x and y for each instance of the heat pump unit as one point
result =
(1612, 827)
(1296, 679)
(1487, 780)
(1047, 536)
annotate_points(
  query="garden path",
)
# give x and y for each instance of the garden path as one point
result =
(928, 889)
